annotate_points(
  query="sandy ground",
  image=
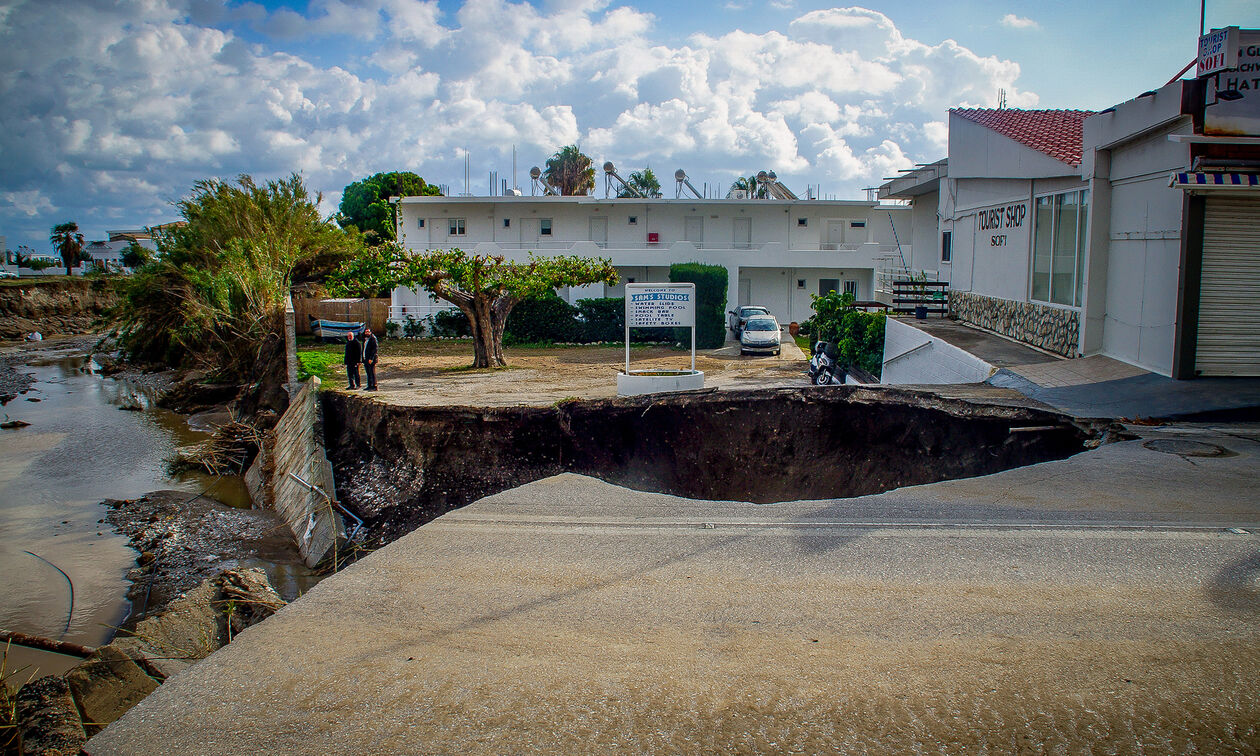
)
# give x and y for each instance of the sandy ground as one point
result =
(434, 373)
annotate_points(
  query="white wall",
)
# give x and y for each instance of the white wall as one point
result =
(914, 357)
(1143, 255)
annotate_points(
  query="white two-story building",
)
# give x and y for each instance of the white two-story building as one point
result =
(777, 252)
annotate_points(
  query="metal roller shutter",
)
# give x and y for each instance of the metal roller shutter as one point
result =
(1229, 300)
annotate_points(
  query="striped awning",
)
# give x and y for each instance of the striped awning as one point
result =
(1214, 180)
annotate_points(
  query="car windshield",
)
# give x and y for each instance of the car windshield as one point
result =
(762, 325)
(749, 312)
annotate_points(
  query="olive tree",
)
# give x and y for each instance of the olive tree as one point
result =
(486, 287)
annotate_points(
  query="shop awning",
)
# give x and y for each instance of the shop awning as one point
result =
(1211, 180)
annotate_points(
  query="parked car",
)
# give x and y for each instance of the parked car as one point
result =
(741, 315)
(760, 334)
(8, 274)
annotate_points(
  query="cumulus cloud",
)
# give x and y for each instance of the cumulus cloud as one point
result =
(112, 110)
(1011, 21)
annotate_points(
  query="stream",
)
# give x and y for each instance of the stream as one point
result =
(90, 438)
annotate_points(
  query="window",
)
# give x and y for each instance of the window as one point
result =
(857, 224)
(507, 222)
(850, 287)
(947, 246)
(828, 285)
(419, 222)
(800, 283)
(456, 227)
(544, 226)
(1059, 248)
(634, 220)
(802, 221)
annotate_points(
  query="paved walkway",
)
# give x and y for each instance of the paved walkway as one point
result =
(1095, 386)
(1096, 602)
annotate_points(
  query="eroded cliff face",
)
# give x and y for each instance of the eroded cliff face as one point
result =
(400, 467)
(60, 306)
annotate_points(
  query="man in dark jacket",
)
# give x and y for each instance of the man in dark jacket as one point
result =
(354, 355)
(369, 357)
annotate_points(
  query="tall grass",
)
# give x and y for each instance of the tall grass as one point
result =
(215, 291)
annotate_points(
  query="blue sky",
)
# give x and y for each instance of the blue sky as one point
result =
(112, 109)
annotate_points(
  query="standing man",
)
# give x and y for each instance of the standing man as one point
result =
(354, 355)
(369, 357)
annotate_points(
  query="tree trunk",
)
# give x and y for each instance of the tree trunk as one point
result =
(488, 318)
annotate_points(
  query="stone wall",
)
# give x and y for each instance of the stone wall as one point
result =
(1053, 329)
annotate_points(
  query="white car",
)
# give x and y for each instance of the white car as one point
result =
(8, 274)
(760, 334)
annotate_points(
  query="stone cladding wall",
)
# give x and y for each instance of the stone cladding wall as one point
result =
(1051, 328)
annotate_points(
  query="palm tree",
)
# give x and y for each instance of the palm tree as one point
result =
(570, 171)
(644, 181)
(68, 242)
(755, 190)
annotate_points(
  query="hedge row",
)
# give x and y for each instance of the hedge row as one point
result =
(550, 319)
(710, 281)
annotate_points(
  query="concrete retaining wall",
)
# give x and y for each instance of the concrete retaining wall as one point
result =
(914, 357)
(295, 447)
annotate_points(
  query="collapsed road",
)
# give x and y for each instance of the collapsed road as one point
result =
(400, 466)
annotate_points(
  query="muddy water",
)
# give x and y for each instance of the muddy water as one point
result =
(81, 447)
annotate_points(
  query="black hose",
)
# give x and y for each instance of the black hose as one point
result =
(69, 582)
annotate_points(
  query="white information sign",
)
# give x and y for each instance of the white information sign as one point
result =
(661, 305)
(1218, 51)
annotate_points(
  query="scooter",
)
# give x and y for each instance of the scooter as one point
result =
(824, 366)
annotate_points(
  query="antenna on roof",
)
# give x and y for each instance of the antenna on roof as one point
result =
(1001, 99)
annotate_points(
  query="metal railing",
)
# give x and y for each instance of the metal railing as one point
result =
(564, 245)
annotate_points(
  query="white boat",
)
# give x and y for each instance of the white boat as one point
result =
(334, 330)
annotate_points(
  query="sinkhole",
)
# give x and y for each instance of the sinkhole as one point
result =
(400, 466)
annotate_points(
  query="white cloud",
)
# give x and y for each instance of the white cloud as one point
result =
(29, 203)
(1011, 21)
(112, 110)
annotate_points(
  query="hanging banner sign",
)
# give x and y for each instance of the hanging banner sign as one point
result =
(1218, 51)
(660, 305)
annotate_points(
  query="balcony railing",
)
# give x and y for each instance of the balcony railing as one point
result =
(552, 245)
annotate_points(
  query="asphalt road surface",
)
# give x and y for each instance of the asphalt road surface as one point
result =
(1105, 603)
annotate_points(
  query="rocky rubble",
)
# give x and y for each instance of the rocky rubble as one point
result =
(184, 539)
(56, 715)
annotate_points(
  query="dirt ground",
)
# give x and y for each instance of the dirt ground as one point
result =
(435, 373)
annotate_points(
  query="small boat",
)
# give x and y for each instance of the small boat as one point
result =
(334, 330)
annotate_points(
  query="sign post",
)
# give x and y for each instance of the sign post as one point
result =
(661, 305)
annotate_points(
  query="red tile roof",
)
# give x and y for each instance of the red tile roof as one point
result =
(1057, 133)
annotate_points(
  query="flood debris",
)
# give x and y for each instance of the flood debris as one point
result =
(56, 714)
(184, 539)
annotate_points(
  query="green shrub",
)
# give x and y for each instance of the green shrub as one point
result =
(392, 328)
(413, 328)
(450, 323)
(710, 281)
(858, 336)
(542, 319)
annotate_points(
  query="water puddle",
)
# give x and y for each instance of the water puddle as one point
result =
(89, 438)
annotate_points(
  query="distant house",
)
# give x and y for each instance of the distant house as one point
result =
(778, 252)
(107, 255)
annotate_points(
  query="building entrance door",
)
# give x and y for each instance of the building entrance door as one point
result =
(599, 231)
(1228, 340)
(693, 230)
(835, 234)
(743, 233)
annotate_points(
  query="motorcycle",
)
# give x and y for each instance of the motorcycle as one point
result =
(824, 365)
